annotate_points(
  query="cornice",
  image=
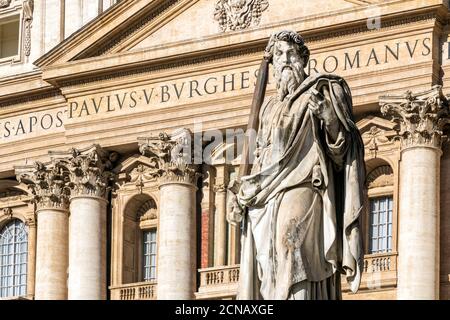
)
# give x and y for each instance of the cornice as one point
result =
(30, 96)
(183, 59)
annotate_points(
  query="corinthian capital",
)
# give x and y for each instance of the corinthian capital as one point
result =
(89, 170)
(48, 184)
(421, 116)
(171, 156)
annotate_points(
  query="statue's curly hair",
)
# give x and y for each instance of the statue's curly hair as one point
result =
(289, 36)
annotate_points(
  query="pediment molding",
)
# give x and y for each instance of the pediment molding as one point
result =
(110, 56)
(136, 170)
(115, 21)
(147, 24)
(123, 25)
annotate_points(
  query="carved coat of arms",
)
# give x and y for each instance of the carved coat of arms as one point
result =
(239, 14)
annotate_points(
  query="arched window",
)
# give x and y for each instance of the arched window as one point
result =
(140, 240)
(13, 259)
(380, 219)
(146, 213)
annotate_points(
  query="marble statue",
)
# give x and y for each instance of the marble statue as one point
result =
(299, 207)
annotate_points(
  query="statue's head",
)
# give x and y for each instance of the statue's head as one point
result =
(289, 56)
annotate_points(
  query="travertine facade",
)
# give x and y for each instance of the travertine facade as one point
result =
(96, 98)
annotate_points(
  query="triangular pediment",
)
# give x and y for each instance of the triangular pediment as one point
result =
(137, 25)
(214, 18)
(368, 123)
(376, 131)
(131, 163)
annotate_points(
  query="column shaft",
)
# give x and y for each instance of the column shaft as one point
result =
(220, 229)
(52, 255)
(87, 248)
(418, 262)
(31, 269)
(177, 242)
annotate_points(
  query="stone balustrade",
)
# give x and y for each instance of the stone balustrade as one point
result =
(134, 291)
(379, 271)
(380, 262)
(218, 282)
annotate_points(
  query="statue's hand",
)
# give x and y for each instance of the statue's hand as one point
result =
(322, 107)
(234, 210)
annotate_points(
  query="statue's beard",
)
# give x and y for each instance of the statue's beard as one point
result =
(288, 78)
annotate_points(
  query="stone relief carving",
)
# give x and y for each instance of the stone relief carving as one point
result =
(239, 14)
(140, 175)
(48, 184)
(89, 171)
(28, 8)
(31, 221)
(4, 3)
(74, 173)
(7, 212)
(373, 138)
(421, 116)
(171, 157)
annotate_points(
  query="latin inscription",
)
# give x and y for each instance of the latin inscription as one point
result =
(207, 87)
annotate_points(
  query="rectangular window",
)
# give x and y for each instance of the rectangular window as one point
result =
(149, 261)
(9, 37)
(380, 232)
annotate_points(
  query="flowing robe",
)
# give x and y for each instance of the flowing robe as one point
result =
(304, 197)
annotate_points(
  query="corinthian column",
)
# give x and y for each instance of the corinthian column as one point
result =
(51, 197)
(89, 178)
(172, 157)
(421, 117)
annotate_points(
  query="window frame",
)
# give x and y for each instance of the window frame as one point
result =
(370, 231)
(8, 15)
(378, 192)
(145, 226)
(143, 254)
(25, 253)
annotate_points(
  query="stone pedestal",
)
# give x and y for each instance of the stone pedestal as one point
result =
(421, 117)
(177, 176)
(87, 248)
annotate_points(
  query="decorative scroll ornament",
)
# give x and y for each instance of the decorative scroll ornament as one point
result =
(140, 175)
(89, 171)
(219, 188)
(421, 116)
(171, 157)
(4, 3)
(239, 14)
(373, 138)
(48, 184)
(31, 221)
(28, 8)
(7, 212)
